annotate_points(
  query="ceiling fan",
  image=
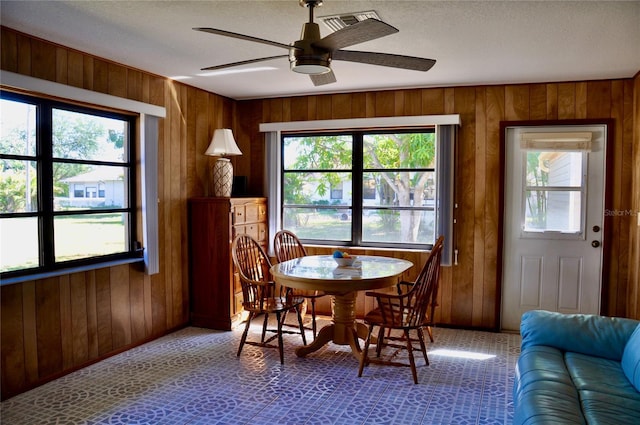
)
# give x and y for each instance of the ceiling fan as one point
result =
(312, 54)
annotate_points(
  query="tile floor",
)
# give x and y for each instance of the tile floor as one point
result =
(194, 377)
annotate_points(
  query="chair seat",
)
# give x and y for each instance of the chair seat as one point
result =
(272, 305)
(374, 317)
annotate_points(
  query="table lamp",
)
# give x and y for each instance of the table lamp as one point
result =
(222, 144)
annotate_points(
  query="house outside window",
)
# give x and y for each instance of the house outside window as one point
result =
(53, 158)
(387, 181)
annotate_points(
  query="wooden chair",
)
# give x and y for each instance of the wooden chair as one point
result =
(259, 293)
(405, 312)
(287, 246)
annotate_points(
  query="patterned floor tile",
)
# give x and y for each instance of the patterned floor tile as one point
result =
(193, 377)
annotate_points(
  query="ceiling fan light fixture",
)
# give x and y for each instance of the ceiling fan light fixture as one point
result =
(310, 67)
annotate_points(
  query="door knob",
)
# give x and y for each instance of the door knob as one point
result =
(595, 244)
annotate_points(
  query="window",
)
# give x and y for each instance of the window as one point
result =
(373, 188)
(68, 185)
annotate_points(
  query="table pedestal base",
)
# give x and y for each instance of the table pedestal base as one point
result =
(343, 331)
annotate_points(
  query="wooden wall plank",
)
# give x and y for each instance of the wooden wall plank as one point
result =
(12, 352)
(479, 223)
(100, 76)
(75, 72)
(341, 106)
(93, 350)
(117, 80)
(43, 60)
(61, 66)
(566, 101)
(48, 326)
(120, 306)
(433, 102)
(136, 303)
(491, 297)
(30, 331)
(24, 55)
(384, 104)
(8, 50)
(463, 273)
(517, 102)
(552, 101)
(66, 325)
(103, 311)
(79, 318)
(537, 101)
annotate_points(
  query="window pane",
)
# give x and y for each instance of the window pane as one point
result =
(404, 188)
(402, 150)
(322, 224)
(554, 168)
(79, 186)
(25, 230)
(331, 152)
(88, 235)
(18, 128)
(317, 188)
(18, 186)
(398, 226)
(559, 211)
(89, 137)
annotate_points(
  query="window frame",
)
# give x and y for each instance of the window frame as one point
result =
(46, 212)
(358, 172)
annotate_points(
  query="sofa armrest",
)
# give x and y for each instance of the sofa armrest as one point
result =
(582, 333)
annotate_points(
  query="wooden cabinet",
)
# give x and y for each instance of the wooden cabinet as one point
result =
(216, 295)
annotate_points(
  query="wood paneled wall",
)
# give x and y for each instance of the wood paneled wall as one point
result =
(53, 326)
(470, 293)
(633, 291)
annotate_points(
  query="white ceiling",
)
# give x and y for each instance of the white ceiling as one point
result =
(474, 42)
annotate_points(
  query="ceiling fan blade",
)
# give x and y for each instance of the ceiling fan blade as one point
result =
(229, 65)
(385, 59)
(243, 37)
(322, 79)
(362, 31)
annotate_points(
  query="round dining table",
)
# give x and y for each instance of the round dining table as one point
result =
(322, 273)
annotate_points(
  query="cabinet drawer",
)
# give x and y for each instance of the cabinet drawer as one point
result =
(258, 231)
(249, 213)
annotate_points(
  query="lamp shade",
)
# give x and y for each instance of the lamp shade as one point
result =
(223, 144)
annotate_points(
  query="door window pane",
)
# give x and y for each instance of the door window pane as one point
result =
(553, 193)
(554, 168)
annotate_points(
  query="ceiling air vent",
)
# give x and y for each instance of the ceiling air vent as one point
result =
(337, 22)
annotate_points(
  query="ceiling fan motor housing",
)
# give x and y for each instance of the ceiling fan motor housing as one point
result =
(306, 59)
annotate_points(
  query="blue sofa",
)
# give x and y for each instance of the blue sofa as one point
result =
(577, 369)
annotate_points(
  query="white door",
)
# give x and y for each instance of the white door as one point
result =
(554, 214)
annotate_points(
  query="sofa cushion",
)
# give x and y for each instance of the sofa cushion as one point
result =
(607, 409)
(583, 333)
(631, 359)
(544, 392)
(601, 375)
(544, 364)
(545, 405)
